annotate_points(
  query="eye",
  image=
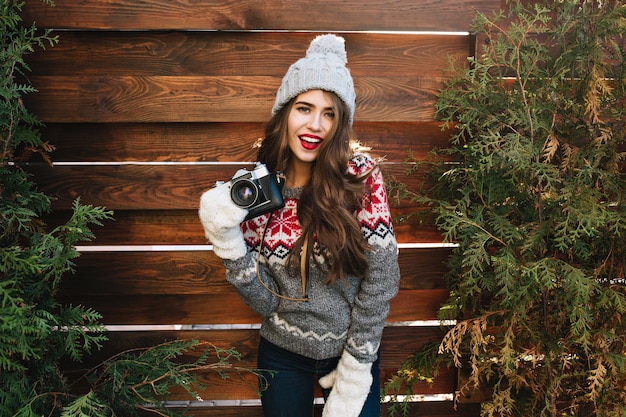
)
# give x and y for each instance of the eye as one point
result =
(303, 109)
(330, 114)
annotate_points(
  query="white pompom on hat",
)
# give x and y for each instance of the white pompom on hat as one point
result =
(323, 68)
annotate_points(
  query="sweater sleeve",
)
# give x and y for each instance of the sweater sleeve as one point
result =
(242, 274)
(381, 282)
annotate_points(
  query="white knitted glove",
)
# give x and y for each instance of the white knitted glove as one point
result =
(350, 382)
(221, 218)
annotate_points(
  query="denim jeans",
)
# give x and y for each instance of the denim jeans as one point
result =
(291, 378)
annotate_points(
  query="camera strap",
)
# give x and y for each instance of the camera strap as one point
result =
(305, 265)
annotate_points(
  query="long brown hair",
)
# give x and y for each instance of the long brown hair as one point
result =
(330, 198)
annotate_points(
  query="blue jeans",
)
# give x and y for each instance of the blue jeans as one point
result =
(290, 380)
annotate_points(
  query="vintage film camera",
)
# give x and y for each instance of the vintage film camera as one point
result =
(258, 190)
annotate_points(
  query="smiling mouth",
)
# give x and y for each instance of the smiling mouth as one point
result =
(310, 142)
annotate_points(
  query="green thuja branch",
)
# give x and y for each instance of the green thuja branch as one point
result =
(37, 332)
(140, 379)
(531, 190)
(420, 368)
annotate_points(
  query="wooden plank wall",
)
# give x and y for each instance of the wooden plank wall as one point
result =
(150, 102)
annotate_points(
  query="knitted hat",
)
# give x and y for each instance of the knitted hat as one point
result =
(324, 68)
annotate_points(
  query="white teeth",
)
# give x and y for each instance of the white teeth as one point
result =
(310, 140)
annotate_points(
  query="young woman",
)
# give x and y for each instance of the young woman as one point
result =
(322, 270)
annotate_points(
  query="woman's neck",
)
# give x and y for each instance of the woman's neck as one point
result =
(298, 175)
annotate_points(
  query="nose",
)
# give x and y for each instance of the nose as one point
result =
(315, 122)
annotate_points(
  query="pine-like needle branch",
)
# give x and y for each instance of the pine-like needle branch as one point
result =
(532, 189)
(37, 332)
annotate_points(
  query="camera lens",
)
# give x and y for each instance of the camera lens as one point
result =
(244, 193)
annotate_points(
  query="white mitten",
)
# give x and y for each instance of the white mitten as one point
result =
(350, 382)
(221, 218)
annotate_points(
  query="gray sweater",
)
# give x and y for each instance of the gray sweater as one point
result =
(348, 314)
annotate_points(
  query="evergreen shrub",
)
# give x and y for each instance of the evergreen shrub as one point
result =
(531, 189)
(37, 333)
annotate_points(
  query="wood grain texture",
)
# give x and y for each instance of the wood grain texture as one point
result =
(224, 54)
(396, 341)
(161, 98)
(153, 101)
(243, 386)
(202, 272)
(143, 186)
(420, 409)
(182, 227)
(326, 15)
(226, 308)
(218, 142)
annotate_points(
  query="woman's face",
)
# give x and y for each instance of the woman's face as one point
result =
(310, 122)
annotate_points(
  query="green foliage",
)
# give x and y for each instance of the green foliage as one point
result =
(138, 381)
(84, 406)
(422, 366)
(532, 190)
(36, 331)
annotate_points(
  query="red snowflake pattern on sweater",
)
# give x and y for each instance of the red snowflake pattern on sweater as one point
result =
(375, 217)
(284, 228)
(282, 232)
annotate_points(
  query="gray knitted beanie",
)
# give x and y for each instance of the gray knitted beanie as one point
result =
(324, 68)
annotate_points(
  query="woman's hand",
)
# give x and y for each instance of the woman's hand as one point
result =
(221, 218)
(350, 382)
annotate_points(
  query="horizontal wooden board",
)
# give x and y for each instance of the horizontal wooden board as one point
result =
(146, 186)
(419, 409)
(203, 53)
(99, 99)
(397, 344)
(227, 308)
(218, 142)
(444, 15)
(243, 386)
(412, 224)
(202, 272)
(416, 305)
(182, 227)
(174, 93)
(145, 228)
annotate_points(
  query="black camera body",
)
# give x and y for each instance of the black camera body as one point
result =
(258, 191)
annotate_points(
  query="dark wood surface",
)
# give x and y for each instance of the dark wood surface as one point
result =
(227, 77)
(217, 142)
(162, 98)
(397, 15)
(246, 54)
(201, 272)
(149, 103)
(396, 341)
(227, 308)
(421, 409)
(182, 227)
(139, 186)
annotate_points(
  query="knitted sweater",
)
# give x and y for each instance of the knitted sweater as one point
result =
(348, 314)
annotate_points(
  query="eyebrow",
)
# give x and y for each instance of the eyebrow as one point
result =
(312, 105)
